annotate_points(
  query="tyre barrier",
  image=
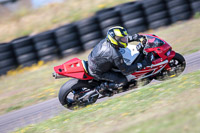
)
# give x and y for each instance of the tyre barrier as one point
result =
(24, 51)
(195, 6)
(156, 13)
(179, 10)
(45, 46)
(108, 18)
(133, 17)
(136, 16)
(89, 32)
(67, 39)
(7, 58)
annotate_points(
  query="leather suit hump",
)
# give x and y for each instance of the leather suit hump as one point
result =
(101, 58)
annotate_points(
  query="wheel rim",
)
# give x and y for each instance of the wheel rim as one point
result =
(177, 67)
(73, 98)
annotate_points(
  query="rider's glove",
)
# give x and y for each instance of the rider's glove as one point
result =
(134, 37)
(137, 37)
(143, 39)
(145, 53)
(140, 47)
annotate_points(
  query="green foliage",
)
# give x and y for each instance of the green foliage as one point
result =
(21, 13)
(15, 107)
(197, 15)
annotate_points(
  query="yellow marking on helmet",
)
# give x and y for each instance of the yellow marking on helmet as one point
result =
(112, 40)
(125, 32)
(118, 32)
(125, 44)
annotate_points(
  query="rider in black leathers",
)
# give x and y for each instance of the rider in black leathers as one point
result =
(106, 56)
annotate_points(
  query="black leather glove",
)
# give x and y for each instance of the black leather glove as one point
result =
(137, 37)
(140, 47)
(134, 37)
(143, 39)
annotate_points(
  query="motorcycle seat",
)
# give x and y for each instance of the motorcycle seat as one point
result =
(85, 66)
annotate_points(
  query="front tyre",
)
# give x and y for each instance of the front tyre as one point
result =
(177, 65)
(144, 81)
(74, 92)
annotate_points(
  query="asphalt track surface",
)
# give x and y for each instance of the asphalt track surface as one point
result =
(45, 110)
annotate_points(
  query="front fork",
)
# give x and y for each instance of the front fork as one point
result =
(170, 57)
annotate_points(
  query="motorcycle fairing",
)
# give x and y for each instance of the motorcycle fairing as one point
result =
(130, 53)
(73, 68)
(150, 70)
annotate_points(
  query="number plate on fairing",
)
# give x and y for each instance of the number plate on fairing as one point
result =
(129, 54)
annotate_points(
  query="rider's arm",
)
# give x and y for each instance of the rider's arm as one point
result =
(126, 70)
(134, 37)
(138, 38)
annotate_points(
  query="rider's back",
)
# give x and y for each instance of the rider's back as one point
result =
(102, 56)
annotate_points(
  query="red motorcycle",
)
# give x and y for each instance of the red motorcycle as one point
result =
(81, 89)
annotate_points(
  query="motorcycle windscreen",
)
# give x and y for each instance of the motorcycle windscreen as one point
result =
(153, 42)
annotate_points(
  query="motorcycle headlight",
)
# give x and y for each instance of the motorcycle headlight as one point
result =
(168, 52)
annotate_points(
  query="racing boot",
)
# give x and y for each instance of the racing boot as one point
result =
(109, 89)
(105, 90)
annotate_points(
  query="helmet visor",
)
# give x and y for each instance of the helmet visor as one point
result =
(122, 39)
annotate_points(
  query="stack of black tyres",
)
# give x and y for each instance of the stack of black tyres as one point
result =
(7, 58)
(156, 13)
(107, 18)
(68, 40)
(45, 46)
(133, 17)
(195, 5)
(179, 10)
(89, 31)
(24, 51)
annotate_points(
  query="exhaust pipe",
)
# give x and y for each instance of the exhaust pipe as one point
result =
(58, 76)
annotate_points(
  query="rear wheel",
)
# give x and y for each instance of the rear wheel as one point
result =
(177, 65)
(77, 93)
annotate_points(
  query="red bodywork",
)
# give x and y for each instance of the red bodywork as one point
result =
(74, 67)
(161, 52)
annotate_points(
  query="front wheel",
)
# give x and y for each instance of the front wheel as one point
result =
(177, 65)
(77, 93)
(144, 81)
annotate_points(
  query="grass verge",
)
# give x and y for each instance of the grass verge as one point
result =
(171, 106)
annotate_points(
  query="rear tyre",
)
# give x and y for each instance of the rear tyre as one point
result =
(72, 91)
